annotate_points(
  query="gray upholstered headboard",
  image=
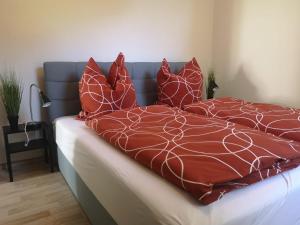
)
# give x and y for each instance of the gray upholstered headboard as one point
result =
(61, 84)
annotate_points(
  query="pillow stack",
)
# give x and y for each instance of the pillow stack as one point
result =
(100, 96)
(178, 90)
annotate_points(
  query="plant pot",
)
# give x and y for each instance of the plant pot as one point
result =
(13, 122)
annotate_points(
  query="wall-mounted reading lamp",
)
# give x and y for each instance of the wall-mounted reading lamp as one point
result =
(45, 102)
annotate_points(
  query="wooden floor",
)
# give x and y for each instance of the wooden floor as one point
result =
(37, 197)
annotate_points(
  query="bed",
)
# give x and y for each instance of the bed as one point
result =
(113, 189)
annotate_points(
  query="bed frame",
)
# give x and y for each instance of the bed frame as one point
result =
(61, 86)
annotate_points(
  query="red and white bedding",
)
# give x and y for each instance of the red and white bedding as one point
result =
(207, 157)
(281, 121)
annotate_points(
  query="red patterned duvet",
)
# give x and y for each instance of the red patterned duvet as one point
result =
(281, 121)
(206, 157)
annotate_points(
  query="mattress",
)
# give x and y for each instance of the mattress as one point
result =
(132, 194)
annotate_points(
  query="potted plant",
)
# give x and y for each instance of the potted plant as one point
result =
(11, 91)
(211, 85)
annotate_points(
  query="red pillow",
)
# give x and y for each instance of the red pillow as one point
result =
(119, 79)
(100, 96)
(182, 89)
(95, 93)
(117, 70)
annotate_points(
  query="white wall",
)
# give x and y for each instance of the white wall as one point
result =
(34, 31)
(257, 49)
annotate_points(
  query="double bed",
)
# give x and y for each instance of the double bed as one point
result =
(114, 189)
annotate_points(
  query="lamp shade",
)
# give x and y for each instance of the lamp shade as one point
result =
(45, 101)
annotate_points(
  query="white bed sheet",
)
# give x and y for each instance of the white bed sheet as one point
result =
(134, 195)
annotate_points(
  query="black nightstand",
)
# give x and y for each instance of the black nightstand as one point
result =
(41, 143)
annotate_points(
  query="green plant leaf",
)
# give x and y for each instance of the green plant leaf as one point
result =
(11, 91)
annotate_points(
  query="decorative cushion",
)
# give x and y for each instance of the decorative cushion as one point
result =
(117, 70)
(95, 92)
(100, 96)
(181, 89)
(124, 92)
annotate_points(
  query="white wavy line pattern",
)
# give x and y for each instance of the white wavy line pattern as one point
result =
(207, 157)
(181, 89)
(281, 121)
(98, 96)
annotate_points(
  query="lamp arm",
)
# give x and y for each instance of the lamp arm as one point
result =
(30, 98)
